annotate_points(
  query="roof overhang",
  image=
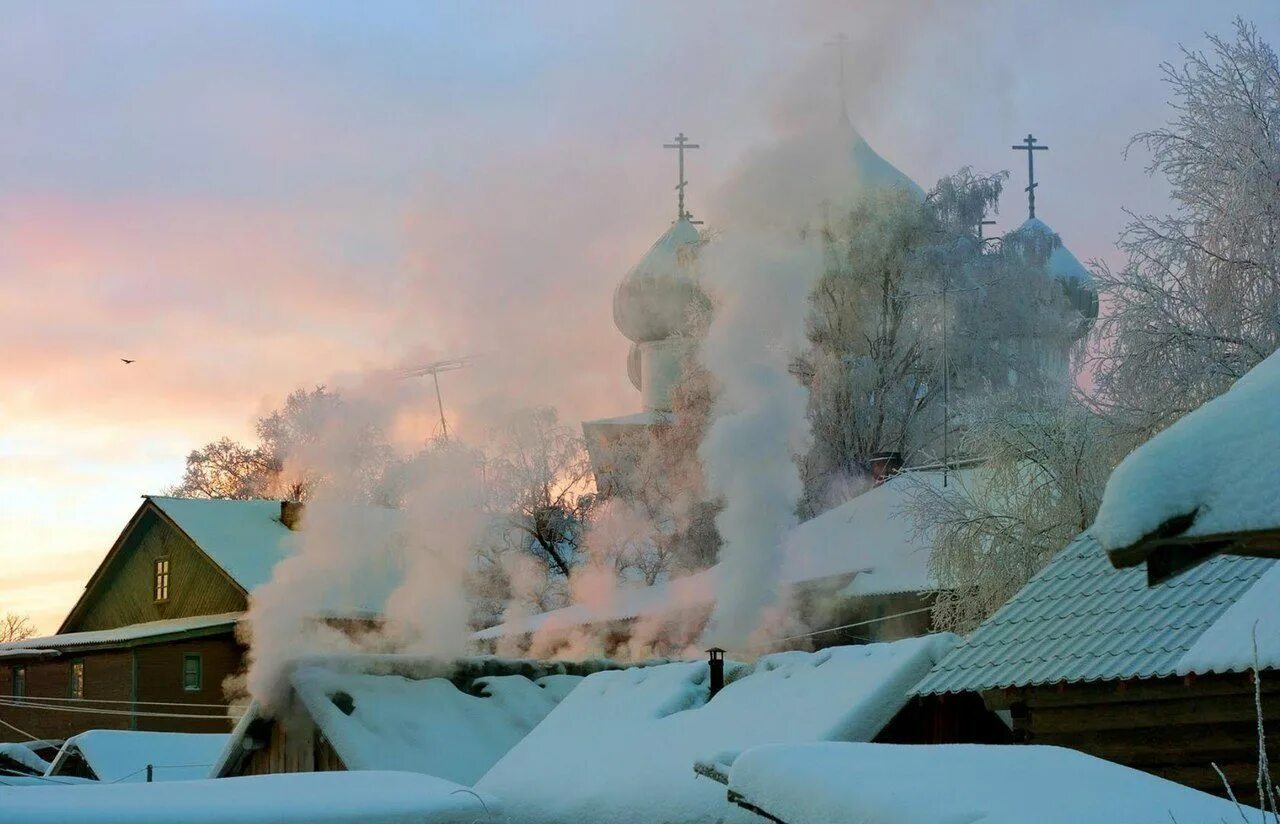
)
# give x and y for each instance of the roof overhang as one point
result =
(1167, 556)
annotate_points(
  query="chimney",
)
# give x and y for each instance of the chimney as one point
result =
(884, 465)
(291, 513)
(716, 662)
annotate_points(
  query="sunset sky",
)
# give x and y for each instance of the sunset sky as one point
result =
(251, 197)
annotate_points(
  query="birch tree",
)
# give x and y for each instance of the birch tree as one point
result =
(1197, 302)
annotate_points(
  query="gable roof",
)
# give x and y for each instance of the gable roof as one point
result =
(244, 538)
(1081, 619)
(871, 539)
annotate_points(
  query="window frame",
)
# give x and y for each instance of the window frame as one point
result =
(18, 679)
(199, 672)
(161, 577)
(75, 679)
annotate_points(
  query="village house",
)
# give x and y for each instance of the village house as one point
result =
(151, 641)
(1090, 657)
(448, 719)
(858, 573)
(128, 756)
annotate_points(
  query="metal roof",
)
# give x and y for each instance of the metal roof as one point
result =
(1081, 619)
(132, 633)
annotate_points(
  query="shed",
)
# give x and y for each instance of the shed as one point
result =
(124, 756)
(451, 720)
(1090, 657)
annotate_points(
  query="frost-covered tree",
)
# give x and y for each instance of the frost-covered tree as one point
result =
(908, 287)
(1043, 463)
(227, 469)
(539, 474)
(1197, 303)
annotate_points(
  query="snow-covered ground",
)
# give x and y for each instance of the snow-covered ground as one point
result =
(622, 746)
(835, 783)
(300, 798)
(1220, 464)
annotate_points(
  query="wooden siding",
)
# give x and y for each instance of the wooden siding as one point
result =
(306, 750)
(123, 593)
(109, 677)
(1170, 727)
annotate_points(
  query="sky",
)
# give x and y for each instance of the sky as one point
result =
(251, 197)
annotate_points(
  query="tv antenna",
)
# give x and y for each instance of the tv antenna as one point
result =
(434, 369)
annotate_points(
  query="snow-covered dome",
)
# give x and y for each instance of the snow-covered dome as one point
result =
(872, 169)
(652, 301)
(1063, 266)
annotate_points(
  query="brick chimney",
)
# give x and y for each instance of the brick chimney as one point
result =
(291, 513)
(884, 465)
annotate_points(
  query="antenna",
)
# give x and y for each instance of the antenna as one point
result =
(681, 144)
(434, 370)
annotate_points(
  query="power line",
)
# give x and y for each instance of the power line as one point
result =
(91, 711)
(20, 698)
(29, 736)
(848, 626)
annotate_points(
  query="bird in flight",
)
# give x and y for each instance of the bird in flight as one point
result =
(128, 361)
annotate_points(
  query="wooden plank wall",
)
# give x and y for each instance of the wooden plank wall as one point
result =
(1175, 728)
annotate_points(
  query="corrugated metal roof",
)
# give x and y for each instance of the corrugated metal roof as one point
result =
(1081, 619)
(125, 634)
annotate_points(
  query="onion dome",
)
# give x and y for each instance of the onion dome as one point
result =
(653, 300)
(1077, 283)
(871, 169)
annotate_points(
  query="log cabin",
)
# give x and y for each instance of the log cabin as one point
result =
(1157, 677)
(152, 639)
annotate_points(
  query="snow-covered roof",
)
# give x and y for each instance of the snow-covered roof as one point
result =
(51, 644)
(245, 538)
(871, 538)
(428, 725)
(621, 747)
(1081, 619)
(122, 756)
(1216, 472)
(1062, 264)
(836, 783)
(23, 756)
(295, 798)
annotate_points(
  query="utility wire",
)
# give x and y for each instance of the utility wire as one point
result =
(847, 626)
(29, 736)
(4, 697)
(91, 711)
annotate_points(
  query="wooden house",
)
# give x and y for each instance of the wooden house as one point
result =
(1091, 657)
(858, 573)
(132, 757)
(152, 639)
(451, 720)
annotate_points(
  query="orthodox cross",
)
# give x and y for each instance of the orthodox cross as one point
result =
(840, 42)
(681, 144)
(1029, 146)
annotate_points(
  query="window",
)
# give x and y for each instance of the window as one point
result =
(192, 672)
(76, 687)
(19, 682)
(162, 580)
